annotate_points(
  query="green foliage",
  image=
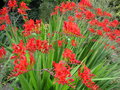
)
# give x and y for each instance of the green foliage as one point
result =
(45, 9)
(91, 53)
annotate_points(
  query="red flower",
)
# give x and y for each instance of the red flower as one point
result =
(85, 3)
(91, 30)
(23, 6)
(89, 15)
(118, 40)
(86, 77)
(20, 66)
(2, 27)
(93, 22)
(71, 28)
(113, 47)
(23, 12)
(99, 11)
(99, 32)
(70, 56)
(4, 11)
(105, 21)
(64, 7)
(107, 14)
(2, 52)
(71, 18)
(67, 6)
(79, 15)
(31, 45)
(106, 29)
(18, 49)
(12, 3)
(60, 42)
(7, 19)
(114, 23)
(73, 43)
(43, 46)
(31, 26)
(62, 73)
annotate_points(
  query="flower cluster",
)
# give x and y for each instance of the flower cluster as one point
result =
(70, 56)
(84, 11)
(12, 3)
(24, 54)
(4, 18)
(2, 52)
(85, 3)
(107, 29)
(31, 26)
(20, 62)
(37, 44)
(62, 73)
(71, 28)
(64, 7)
(86, 78)
(22, 10)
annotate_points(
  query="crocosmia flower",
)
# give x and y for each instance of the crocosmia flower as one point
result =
(12, 3)
(86, 78)
(2, 52)
(71, 28)
(62, 73)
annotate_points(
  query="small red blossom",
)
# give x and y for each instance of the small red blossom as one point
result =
(106, 29)
(73, 43)
(118, 40)
(89, 15)
(79, 15)
(105, 21)
(23, 12)
(12, 3)
(70, 56)
(31, 45)
(107, 14)
(71, 28)
(54, 13)
(22, 9)
(2, 52)
(18, 49)
(43, 46)
(85, 3)
(62, 73)
(86, 78)
(31, 26)
(112, 47)
(71, 18)
(23, 6)
(93, 22)
(4, 11)
(60, 42)
(99, 11)
(99, 32)
(91, 30)
(67, 6)
(7, 19)
(22, 65)
(2, 27)
(64, 7)
(114, 23)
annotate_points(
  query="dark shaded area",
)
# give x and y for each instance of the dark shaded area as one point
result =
(35, 3)
(2, 3)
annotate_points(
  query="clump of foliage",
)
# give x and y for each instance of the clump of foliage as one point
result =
(69, 52)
